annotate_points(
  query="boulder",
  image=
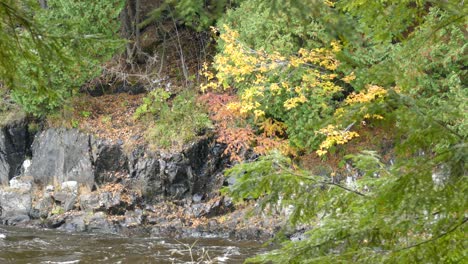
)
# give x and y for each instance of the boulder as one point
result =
(99, 222)
(14, 202)
(133, 218)
(60, 155)
(74, 223)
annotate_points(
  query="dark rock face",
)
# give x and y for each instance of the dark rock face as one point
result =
(67, 155)
(62, 155)
(172, 194)
(13, 147)
(144, 170)
(109, 160)
(180, 175)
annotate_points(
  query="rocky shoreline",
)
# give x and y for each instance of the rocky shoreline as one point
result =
(69, 180)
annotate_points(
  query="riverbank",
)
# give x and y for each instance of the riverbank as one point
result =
(70, 180)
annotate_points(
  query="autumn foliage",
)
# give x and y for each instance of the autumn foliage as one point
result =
(236, 132)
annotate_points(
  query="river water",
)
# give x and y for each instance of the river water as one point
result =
(20, 245)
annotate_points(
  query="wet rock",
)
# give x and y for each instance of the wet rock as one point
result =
(74, 223)
(98, 222)
(14, 142)
(60, 155)
(55, 221)
(15, 219)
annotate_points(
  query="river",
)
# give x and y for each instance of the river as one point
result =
(21, 245)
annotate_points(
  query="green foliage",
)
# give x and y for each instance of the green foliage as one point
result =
(198, 14)
(175, 123)
(85, 114)
(25, 47)
(283, 27)
(9, 111)
(392, 215)
(153, 104)
(410, 211)
(81, 35)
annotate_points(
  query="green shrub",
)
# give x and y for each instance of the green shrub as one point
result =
(176, 122)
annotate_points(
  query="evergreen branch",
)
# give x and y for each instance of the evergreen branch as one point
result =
(410, 104)
(327, 183)
(345, 188)
(434, 238)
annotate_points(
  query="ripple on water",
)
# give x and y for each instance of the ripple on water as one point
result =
(46, 246)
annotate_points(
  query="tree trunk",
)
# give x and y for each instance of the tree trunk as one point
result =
(130, 18)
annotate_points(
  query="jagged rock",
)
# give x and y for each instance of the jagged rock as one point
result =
(144, 169)
(14, 141)
(109, 159)
(209, 209)
(60, 155)
(112, 202)
(69, 203)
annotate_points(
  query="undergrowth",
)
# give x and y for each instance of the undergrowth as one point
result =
(175, 122)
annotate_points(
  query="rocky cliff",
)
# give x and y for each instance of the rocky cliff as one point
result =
(67, 179)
